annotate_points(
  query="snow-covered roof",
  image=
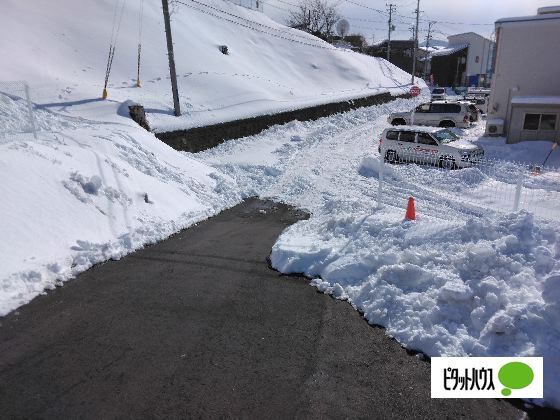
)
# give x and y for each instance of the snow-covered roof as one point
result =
(536, 100)
(418, 128)
(447, 50)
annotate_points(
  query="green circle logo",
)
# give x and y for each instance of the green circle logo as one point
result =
(515, 375)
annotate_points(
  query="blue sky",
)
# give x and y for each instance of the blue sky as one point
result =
(453, 16)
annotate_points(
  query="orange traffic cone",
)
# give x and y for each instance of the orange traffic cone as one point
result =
(410, 210)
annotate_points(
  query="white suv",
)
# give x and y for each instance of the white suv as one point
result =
(437, 113)
(428, 145)
(438, 94)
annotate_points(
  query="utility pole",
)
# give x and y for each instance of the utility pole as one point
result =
(170, 55)
(415, 40)
(429, 36)
(392, 8)
(428, 39)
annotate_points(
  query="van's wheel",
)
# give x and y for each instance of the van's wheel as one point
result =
(391, 156)
(447, 162)
(447, 124)
(398, 121)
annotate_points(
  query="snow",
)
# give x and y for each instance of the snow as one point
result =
(455, 282)
(463, 279)
(445, 50)
(95, 186)
(269, 69)
(89, 192)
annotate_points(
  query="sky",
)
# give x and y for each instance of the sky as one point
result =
(452, 16)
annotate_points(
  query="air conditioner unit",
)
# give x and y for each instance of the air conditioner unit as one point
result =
(495, 127)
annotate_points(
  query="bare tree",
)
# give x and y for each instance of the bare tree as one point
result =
(316, 16)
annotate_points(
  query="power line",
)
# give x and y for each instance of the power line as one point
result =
(283, 31)
(413, 18)
(259, 24)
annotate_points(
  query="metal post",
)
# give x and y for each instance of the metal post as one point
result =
(518, 191)
(170, 55)
(415, 40)
(380, 185)
(30, 111)
(391, 8)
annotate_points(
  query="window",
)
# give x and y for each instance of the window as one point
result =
(425, 138)
(437, 108)
(531, 122)
(407, 136)
(477, 59)
(392, 135)
(452, 108)
(423, 108)
(544, 122)
(445, 136)
(548, 122)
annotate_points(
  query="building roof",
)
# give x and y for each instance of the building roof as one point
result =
(451, 49)
(470, 34)
(536, 100)
(545, 16)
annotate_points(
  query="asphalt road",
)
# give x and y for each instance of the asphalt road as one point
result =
(199, 326)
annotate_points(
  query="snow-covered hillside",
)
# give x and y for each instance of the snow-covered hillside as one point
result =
(61, 49)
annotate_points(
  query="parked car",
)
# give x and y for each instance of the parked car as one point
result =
(438, 94)
(428, 145)
(436, 113)
(474, 111)
(479, 101)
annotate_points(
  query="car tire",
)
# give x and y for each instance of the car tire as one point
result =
(398, 121)
(391, 156)
(447, 162)
(447, 124)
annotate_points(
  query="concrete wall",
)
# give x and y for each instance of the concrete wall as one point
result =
(527, 63)
(202, 138)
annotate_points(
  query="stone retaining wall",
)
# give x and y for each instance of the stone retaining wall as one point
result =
(202, 138)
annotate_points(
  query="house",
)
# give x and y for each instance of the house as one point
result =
(525, 99)
(446, 65)
(464, 61)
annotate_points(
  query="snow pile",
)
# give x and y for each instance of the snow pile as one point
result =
(472, 288)
(89, 193)
(455, 282)
(62, 52)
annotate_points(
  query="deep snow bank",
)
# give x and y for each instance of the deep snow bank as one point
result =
(88, 192)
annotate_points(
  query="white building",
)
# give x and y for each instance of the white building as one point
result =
(465, 60)
(479, 55)
(525, 99)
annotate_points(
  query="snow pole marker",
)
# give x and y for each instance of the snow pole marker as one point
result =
(518, 192)
(380, 183)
